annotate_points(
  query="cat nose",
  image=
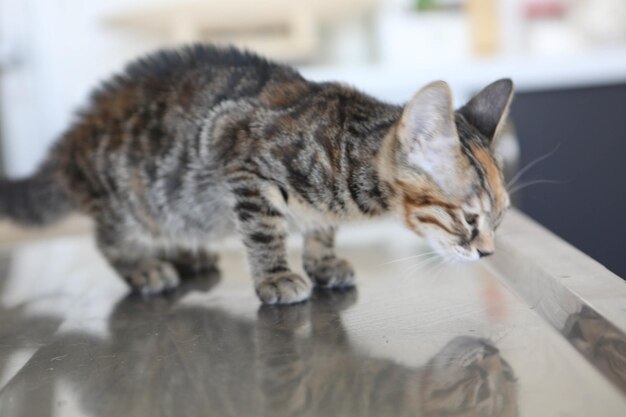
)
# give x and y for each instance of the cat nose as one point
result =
(483, 253)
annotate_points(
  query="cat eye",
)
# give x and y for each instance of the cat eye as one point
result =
(471, 219)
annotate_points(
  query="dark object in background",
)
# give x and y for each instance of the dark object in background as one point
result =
(589, 127)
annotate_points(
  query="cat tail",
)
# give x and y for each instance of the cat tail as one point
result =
(37, 200)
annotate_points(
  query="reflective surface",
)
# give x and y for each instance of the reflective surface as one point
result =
(416, 338)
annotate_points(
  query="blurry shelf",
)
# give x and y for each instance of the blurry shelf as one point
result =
(281, 29)
(12, 234)
(600, 67)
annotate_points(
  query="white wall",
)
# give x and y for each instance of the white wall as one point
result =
(63, 50)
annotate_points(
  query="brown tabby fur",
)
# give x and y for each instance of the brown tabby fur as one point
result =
(190, 144)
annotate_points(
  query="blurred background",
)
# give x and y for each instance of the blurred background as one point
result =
(567, 58)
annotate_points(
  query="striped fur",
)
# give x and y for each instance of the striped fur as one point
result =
(187, 145)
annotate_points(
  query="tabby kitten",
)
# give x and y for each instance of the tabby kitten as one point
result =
(189, 144)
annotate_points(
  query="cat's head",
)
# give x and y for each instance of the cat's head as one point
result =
(451, 185)
(468, 377)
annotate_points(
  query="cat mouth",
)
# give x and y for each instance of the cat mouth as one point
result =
(466, 256)
(458, 254)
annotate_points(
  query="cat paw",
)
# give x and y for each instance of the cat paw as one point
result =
(330, 272)
(154, 277)
(284, 288)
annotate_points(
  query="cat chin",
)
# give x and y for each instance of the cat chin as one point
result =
(453, 253)
(461, 256)
(469, 257)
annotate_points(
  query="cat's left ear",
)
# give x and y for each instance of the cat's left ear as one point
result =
(488, 109)
(429, 140)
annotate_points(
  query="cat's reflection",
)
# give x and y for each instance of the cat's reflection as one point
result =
(320, 374)
(600, 342)
(165, 358)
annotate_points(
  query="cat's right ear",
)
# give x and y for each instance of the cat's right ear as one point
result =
(487, 110)
(428, 136)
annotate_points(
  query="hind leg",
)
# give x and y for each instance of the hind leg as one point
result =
(138, 263)
(192, 262)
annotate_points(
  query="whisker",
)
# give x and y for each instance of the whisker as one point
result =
(408, 258)
(439, 269)
(427, 269)
(534, 182)
(519, 232)
(531, 164)
(419, 266)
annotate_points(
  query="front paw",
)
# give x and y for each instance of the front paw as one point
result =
(330, 272)
(284, 288)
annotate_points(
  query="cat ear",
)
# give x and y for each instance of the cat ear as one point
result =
(428, 136)
(487, 109)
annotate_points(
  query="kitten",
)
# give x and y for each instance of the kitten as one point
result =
(189, 144)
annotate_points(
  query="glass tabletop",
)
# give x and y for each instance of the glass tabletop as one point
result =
(417, 337)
